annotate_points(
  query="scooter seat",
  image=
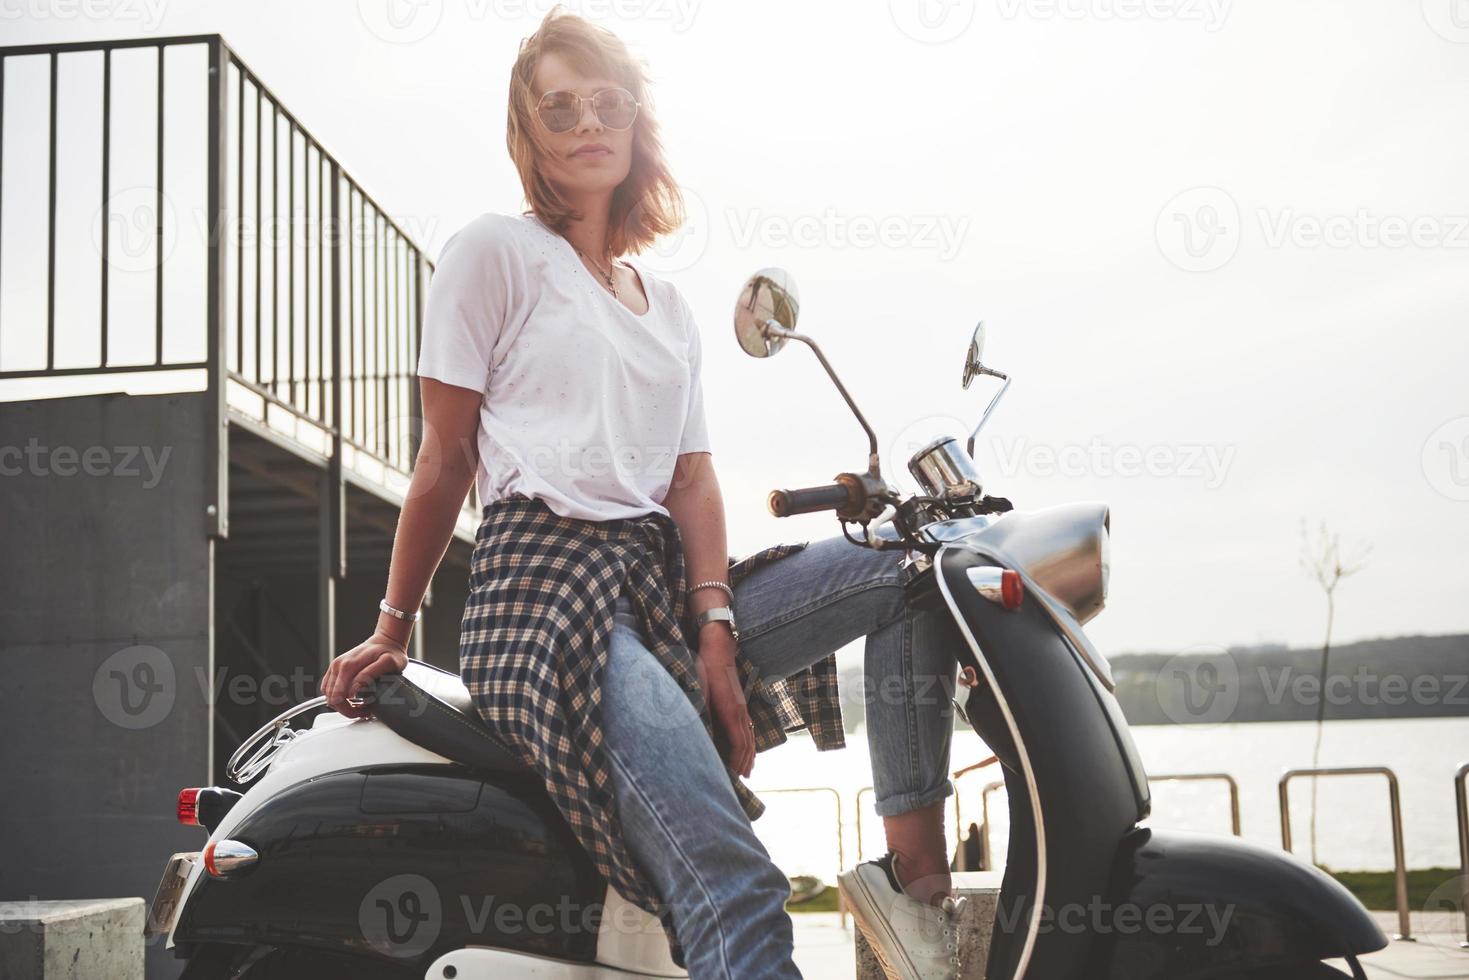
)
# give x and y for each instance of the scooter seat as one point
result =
(432, 708)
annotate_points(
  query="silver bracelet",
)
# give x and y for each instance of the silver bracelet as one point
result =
(714, 585)
(407, 617)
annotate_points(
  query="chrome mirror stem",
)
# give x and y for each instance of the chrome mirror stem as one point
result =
(969, 446)
(774, 329)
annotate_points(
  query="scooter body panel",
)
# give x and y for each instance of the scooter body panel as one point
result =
(1086, 794)
(458, 858)
(1187, 906)
(1217, 904)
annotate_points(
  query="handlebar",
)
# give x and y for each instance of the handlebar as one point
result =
(807, 500)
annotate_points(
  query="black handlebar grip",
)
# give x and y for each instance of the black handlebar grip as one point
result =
(784, 503)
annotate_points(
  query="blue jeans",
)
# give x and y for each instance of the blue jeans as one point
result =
(680, 817)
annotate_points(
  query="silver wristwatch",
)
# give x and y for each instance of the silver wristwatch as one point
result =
(724, 613)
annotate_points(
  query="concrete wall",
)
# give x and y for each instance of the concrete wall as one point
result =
(104, 643)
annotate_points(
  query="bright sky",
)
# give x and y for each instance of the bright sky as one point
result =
(1222, 247)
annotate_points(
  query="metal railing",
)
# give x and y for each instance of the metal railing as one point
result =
(1400, 868)
(276, 274)
(984, 844)
(1193, 777)
(841, 848)
(1461, 806)
(986, 853)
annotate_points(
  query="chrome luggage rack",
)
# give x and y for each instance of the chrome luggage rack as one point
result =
(256, 753)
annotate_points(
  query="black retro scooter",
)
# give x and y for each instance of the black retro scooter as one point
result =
(414, 843)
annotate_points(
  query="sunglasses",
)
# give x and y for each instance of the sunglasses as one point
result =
(560, 112)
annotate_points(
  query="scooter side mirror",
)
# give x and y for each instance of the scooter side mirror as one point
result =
(974, 361)
(768, 295)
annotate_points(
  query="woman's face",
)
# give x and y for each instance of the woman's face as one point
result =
(589, 158)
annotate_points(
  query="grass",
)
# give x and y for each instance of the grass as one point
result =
(1374, 889)
(825, 901)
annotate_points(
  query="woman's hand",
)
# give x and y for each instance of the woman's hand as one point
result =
(720, 678)
(356, 670)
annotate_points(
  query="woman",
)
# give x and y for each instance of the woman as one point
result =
(563, 378)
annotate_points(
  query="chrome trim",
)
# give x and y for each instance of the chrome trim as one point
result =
(1033, 929)
(1070, 629)
(1064, 548)
(955, 529)
(989, 582)
(990, 408)
(231, 856)
(272, 737)
(944, 470)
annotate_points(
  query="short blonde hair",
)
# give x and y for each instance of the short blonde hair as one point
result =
(645, 205)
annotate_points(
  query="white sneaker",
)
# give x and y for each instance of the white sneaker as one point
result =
(913, 940)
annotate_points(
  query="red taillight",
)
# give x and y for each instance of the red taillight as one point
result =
(189, 806)
(1012, 590)
(208, 856)
(1002, 586)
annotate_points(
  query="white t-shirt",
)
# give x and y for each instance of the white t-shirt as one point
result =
(587, 405)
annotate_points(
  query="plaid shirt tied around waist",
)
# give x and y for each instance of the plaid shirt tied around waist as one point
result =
(534, 642)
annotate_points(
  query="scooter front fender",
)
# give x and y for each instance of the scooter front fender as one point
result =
(1188, 906)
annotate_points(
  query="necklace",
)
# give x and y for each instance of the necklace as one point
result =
(607, 276)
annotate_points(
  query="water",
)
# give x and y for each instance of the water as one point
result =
(1353, 828)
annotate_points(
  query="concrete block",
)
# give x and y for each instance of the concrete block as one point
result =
(81, 939)
(982, 888)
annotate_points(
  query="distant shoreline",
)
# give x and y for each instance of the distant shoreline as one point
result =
(1397, 677)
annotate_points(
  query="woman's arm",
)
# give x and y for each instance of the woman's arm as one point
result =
(697, 507)
(442, 473)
